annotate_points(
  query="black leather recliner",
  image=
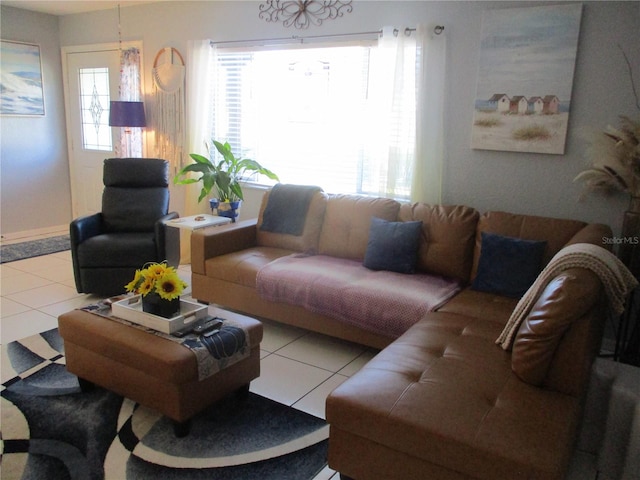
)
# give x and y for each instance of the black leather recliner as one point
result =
(107, 247)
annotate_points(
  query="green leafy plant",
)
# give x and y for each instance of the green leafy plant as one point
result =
(223, 175)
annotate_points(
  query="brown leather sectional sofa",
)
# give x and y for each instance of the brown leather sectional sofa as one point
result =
(442, 401)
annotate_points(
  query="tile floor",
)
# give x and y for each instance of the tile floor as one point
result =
(299, 368)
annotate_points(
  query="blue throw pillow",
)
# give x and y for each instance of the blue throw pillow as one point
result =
(393, 246)
(508, 266)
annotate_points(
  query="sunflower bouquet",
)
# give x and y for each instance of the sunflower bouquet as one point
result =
(157, 278)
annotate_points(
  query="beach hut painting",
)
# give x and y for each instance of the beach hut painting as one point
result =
(525, 78)
(21, 80)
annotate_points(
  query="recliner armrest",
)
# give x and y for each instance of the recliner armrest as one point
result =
(214, 241)
(85, 227)
(81, 229)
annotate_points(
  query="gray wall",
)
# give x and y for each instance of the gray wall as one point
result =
(35, 171)
(525, 183)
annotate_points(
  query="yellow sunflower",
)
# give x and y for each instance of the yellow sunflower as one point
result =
(157, 277)
(169, 286)
(157, 270)
(146, 286)
(132, 286)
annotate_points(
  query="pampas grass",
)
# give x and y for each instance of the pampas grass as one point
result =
(615, 155)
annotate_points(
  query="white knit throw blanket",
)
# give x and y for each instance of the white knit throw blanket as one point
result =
(617, 280)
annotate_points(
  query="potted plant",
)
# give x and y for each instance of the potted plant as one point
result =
(225, 175)
(160, 287)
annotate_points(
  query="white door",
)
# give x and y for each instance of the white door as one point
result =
(92, 79)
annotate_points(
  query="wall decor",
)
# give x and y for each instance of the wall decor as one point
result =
(21, 81)
(525, 78)
(169, 74)
(302, 13)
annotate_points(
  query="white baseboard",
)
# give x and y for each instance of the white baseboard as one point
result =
(35, 233)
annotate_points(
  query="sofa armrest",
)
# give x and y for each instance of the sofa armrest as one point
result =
(215, 241)
(594, 233)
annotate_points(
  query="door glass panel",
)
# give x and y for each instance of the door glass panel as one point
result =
(94, 105)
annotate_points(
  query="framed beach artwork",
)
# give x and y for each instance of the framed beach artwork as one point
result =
(525, 78)
(21, 80)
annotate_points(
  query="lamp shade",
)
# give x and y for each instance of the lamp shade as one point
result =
(126, 114)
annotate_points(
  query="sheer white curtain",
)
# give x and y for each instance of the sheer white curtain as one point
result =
(389, 153)
(130, 144)
(405, 151)
(429, 159)
(200, 61)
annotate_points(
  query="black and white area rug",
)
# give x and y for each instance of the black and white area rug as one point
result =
(34, 248)
(52, 430)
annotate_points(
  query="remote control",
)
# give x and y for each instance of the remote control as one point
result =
(213, 331)
(210, 324)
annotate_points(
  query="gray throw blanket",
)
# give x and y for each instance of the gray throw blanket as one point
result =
(287, 208)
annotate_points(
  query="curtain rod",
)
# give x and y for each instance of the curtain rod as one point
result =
(407, 31)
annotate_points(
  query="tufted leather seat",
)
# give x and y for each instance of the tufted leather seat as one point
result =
(443, 399)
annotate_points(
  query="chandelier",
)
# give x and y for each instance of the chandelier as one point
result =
(302, 13)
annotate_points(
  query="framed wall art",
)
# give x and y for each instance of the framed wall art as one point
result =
(525, 78)
(21, 81)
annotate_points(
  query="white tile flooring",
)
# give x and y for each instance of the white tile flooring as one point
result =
(298, 368)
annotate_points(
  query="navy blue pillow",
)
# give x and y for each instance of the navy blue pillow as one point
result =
(393, 246)
(508, 266)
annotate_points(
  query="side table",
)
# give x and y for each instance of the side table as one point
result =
(194, 222)
(628, 335)
(191, 223)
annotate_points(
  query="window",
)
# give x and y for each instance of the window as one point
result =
(313, 115)
(94, 96)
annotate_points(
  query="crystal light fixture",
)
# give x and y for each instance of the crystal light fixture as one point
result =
(302, 13)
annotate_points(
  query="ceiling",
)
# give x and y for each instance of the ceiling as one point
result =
(66, 7)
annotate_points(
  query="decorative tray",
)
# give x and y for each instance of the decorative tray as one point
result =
(130, 309)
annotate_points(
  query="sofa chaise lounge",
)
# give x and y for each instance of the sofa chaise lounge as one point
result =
(441, 400)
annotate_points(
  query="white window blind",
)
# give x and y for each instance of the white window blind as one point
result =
(319, 114)
(299, 111)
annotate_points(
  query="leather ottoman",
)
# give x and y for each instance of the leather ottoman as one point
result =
(152, 370)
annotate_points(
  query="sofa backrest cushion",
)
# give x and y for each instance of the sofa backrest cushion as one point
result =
(308, 240)
(559, 312)
(347, 221)
(446, 246)
(556, 232)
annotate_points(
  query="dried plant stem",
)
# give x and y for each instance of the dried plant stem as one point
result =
(633, 85)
